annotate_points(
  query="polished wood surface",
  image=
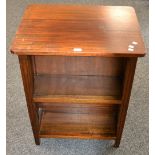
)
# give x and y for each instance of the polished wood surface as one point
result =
(129, 76)
(79, 121)
(27, 76)
(77, 85)
(77, 30)
(56, 65)
(78, 64)
(77, 99)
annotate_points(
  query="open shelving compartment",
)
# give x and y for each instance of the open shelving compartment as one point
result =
(78, 97)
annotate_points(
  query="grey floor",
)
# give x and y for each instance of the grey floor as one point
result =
(19, 135)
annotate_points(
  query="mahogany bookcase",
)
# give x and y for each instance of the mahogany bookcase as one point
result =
(77, 64)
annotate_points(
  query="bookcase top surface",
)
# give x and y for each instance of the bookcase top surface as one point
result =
(79, 30)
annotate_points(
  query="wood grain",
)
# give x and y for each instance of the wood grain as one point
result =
(62, 65)
(129, 76)
(77, 85)
(76, 68)
(79, 121)
(27, 76)
(96, 30)
(76, 99)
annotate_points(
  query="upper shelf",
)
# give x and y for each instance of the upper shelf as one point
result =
(76, 30)
(77, 89)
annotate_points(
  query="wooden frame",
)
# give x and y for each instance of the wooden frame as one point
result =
(83, 93)
(26, 70)
(129, 76)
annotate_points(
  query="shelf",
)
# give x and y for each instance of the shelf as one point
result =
(82, 89)
(77, 121)
(77, 99)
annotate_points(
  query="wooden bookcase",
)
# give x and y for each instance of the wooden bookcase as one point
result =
(78, 65)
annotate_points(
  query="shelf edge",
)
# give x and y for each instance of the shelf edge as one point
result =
(77, 99)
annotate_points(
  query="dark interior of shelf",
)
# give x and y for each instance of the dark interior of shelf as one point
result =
(78, 81)
(46, 85)
(79, 121)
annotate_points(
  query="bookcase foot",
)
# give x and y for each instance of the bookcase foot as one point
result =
(37, 141)
(117, 143)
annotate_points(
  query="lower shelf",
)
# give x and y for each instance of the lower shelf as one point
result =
(79, 122)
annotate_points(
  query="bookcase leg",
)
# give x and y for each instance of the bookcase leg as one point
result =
(127, 86)
(37, 140)
(117, 142)
(27, 76)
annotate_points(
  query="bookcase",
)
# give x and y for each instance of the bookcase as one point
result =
(77, 65)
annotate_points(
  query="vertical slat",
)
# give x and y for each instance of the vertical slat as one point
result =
(128, 80)
(27, 76)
